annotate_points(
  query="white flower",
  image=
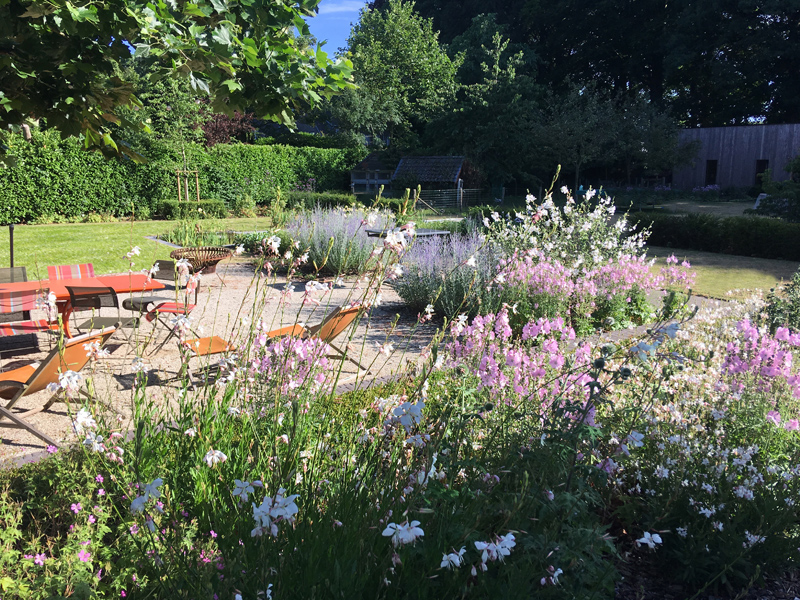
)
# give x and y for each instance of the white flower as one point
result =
(139, 366)
(662, 472)
(397, 271)
(453, 560)
(191, 432)
(429, 310)
(405, 533)
(83, 420)
(385, 349)
(213, 457)
(681, 531)
(564, 190)
(239, 249)
(93, 441)
(650, 540)
(471, 262)
(244, 488)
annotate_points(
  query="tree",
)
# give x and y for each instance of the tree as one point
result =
(493, 118)
(59, 60)
(404, 76)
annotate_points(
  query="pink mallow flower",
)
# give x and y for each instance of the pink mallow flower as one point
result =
(774, 417)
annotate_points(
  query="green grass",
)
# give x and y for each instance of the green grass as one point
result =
(717, 274)
(102, 244)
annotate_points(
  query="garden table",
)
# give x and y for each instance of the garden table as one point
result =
(418, 233)
(130, 283)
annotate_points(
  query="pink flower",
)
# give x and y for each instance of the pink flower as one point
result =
(101, 492)
(774, 417)
(134, 529)
(76, 508)
(791, 425)
(92, 519)
(84, 556)
(39, 560)
(99, 479)
(213, 533)
(51, 449)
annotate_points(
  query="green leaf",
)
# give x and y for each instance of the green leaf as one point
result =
(222, 35)
(220, 6)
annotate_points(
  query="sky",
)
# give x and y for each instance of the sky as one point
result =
(333, 22)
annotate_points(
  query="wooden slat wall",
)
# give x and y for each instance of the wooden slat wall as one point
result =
(737, 149)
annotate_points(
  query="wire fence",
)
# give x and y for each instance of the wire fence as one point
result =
(457, 198)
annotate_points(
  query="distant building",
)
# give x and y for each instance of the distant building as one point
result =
(737, 155)
(372, 173)
(431, 172)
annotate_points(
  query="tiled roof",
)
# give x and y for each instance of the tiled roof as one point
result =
(375, 161)
(430, 169)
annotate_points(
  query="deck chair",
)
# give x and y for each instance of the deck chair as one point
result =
(201, 347)
(81, 271)
(20, 303)
(331, 327)
(12, 275)
(33, 378)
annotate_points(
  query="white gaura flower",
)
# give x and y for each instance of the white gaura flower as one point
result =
(83, 421)
(213, 457)
(471, 262)
(93, 441)
(453, 560)
(385, 349)
(239, 249)
(243, 489)
(649, 540)
(405, 533)
(191, 432)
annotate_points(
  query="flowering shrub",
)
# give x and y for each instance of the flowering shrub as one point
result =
(438, 271)
(335, 238)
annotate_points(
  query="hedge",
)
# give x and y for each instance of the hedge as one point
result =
(55, 176)
(205, 209)
(312, 199)
(760, 237)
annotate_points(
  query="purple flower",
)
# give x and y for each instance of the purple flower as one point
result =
(51, 449)
(213, 534)
(76, 508)
(39, 560)
(84, 556)
(99, 479)
(774, 417)
(791, 425)
(92, 519)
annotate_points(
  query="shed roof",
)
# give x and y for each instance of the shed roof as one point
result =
(430, 169)
(375, 161)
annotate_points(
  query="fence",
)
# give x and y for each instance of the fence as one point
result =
(457, 198)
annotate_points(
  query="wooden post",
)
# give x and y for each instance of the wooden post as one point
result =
(178, 176)
(197, 184)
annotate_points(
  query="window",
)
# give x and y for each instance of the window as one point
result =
(761, 168)
(711, 172)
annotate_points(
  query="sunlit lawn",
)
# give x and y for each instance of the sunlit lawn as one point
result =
(102, 244)
(719, 273)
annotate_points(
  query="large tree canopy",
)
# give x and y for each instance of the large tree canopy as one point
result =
(404, 76)
(59, 59)
(714, 62)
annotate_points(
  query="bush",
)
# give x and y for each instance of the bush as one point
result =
(746, 236)
(335, 238)
(783, 305)
(310, 200)
(58, 177)
(205, 209)
(255, 242)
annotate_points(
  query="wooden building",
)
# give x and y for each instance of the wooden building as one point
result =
(737, 155)
(372, 173)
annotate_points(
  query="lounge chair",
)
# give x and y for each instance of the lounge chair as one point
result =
(33, 378)
(82, 299)
(19, 303)
(81, 271)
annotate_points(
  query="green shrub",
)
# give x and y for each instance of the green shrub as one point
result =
(205, 209)
(746, 236)
(58, 177)
(783, 305)
(255, 242)
(310, 200)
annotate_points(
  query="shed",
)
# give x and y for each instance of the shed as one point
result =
(737, 155)
(371, 173)
(430, 171)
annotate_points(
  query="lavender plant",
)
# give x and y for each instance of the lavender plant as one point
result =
(336, 238)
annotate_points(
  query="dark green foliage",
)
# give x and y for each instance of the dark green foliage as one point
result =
(745, 236)
(55, 176)
(323, 199)
(205, 209)
(783, 305)
(306, 140)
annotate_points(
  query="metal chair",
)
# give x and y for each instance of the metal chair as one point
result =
(166, 272)
(94, 299)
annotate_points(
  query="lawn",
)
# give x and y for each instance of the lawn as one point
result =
(719, 273)
(103, 244)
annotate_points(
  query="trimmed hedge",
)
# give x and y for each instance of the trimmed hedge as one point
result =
(323, 199)
(745, 236)
(58, 177)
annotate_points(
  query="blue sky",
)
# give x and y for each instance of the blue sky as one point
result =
(333, 22)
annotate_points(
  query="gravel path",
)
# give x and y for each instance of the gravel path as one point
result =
(223, 303)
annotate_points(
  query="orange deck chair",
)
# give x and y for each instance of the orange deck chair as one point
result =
(35, 377)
